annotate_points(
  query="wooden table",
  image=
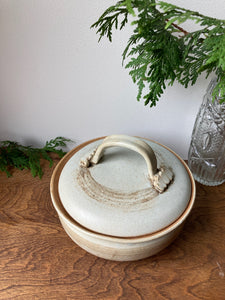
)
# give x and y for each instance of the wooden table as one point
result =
(39, 261)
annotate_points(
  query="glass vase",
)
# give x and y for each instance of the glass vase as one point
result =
(206, 157)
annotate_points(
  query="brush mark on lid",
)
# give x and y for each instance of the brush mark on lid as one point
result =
(138, 200)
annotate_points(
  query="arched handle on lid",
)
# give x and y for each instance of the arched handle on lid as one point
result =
(159, 178)
(131, 143)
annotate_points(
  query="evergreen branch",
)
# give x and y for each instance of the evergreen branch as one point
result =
(110, 19)
(157, 55)
(180, 29)
(14, 155)
(184, 14)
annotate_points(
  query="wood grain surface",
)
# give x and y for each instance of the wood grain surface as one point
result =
(39, 261)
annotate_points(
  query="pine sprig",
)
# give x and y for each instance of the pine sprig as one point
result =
(109, 20)
(160, 51)
(14, 155)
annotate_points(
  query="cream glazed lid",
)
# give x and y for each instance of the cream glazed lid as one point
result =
(125, 186)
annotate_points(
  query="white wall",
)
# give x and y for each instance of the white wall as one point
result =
(56, 79)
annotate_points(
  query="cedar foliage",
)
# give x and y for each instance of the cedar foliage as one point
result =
(14, 155)
(160, 51)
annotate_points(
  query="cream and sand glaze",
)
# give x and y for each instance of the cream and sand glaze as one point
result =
(110, 197)
(159, 178)
(113, 247)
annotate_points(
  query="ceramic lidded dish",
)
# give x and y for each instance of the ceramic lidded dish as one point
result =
(122, 198)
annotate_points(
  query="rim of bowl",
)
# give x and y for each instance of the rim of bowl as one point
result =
(64, 215)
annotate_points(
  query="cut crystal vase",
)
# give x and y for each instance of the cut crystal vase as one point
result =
(206, 157)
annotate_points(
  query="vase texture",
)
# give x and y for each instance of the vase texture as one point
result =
(206, 157)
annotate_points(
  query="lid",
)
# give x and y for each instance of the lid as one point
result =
(124, 186)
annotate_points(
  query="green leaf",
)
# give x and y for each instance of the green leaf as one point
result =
(159, 51)
(217, 56)
(22, 157)
(128, 4)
